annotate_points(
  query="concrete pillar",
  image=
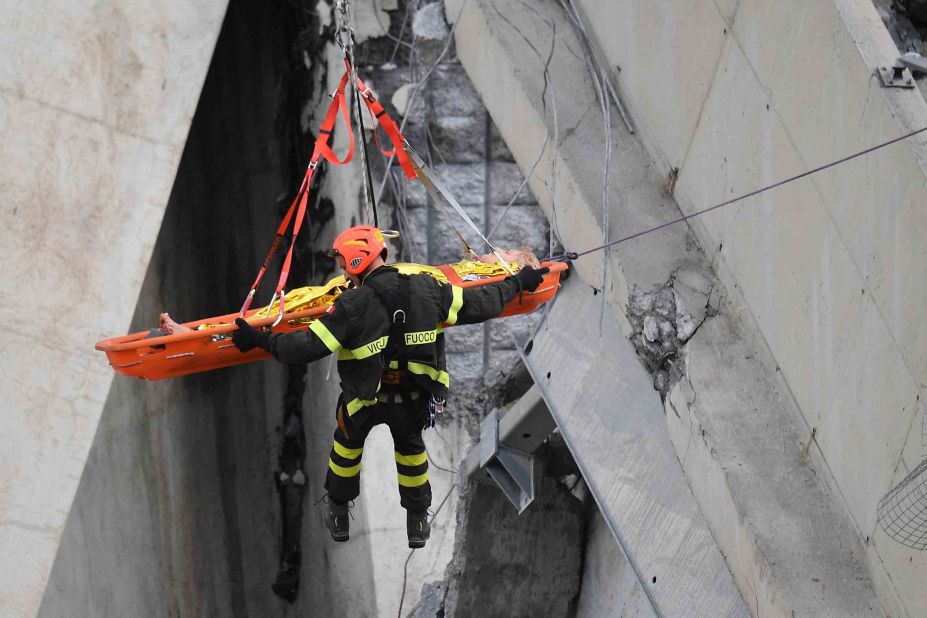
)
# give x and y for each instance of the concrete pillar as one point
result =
(95, 102)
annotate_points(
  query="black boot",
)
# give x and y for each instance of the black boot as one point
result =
(337, 520)
(417, 528)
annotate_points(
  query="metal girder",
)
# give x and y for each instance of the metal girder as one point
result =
(506, 444)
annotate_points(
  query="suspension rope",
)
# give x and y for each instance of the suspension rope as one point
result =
(344, 36)
(571, 255)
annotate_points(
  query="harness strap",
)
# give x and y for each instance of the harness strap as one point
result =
(389, 127)
(298, 206)
(395, 300)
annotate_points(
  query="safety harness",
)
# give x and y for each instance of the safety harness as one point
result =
(395, 298)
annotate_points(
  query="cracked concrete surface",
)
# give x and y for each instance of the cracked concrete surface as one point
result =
(788, 550)
(663, 320)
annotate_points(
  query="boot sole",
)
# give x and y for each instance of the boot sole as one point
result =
(416, 544)
(340, 539)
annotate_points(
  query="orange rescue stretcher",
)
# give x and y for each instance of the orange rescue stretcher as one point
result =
(156, 358)
(209, 345)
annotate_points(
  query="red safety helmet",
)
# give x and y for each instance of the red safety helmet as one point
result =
(359, 246)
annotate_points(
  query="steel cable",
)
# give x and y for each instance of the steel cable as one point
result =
(570, 255)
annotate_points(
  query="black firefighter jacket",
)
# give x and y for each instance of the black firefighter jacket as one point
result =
(357, 328)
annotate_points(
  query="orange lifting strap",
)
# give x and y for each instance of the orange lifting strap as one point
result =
(156, 358)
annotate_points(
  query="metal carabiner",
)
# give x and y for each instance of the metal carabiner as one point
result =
(279, 315)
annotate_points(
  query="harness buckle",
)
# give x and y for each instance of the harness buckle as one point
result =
(396, 316)
(313, 164)
(368, 94)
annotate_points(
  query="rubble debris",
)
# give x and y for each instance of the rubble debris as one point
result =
(663, 320)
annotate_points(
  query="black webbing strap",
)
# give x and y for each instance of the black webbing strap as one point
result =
(395, 299)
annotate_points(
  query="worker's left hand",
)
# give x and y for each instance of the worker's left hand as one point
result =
(530, 278)
(246, 338)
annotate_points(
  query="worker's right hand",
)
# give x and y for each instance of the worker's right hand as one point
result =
(246, 338)
(530, 278)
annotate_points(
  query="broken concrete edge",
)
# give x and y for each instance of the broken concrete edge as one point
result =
(584, 226)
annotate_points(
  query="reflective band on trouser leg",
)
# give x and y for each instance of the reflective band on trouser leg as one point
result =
(411, 460)
(356, 404)
(321, 331)
(342, 471)
(347, 453)
(456, 304)
(413, 481)
(344, 461)
(412, 470)
(439, 376)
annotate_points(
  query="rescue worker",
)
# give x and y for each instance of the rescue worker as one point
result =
(387, 332)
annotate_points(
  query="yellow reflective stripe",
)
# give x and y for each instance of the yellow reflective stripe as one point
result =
(437, 375)
(365, 351)
(331, 342)
(413, 481)
(369, 349)
(456, 304)
(342, 471)
(394, 364)
(347, 453)
(411, 460)
(421, 337)
(356, 404)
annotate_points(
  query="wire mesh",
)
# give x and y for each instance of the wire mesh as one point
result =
(902, 512)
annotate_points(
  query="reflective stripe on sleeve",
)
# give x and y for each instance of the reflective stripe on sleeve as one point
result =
(456, 304)
(342, 471)
(413, 481)
(369, 349)
(347, 453)
(321, 331)
(365, 351)
(441, 377)
(411, 460)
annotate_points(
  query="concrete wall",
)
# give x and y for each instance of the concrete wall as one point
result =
(95, 102)
(176, 512)
(528, 564)
(741, 94)
(767, 525)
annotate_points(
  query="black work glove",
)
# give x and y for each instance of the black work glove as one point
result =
(246, 338)
(530, 278)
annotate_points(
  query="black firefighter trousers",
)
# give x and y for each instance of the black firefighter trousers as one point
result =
(405, 421)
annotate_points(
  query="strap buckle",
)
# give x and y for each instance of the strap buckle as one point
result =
(367, 94)
(313, 165)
